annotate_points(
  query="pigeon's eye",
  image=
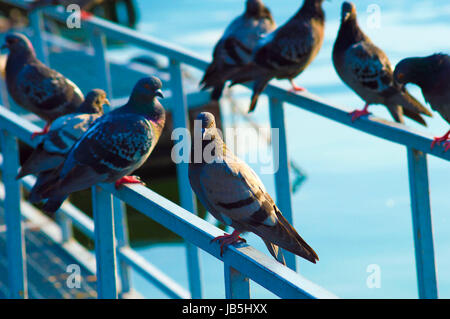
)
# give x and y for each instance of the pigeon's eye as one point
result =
(400, 76)
(11, 41)
(147, 86)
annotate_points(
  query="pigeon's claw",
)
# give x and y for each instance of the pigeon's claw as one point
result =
(439, 140)
(228, 239)
(43, 132)
(356, 114)
(128, 180)
(296, 88)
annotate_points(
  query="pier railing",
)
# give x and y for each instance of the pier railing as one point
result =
(240, 263)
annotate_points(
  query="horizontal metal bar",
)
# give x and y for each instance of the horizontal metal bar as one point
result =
(267, 272)
(153, 274)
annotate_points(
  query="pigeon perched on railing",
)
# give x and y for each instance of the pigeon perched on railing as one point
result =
(232, 192)
(235, 47)
(117, 144)
(36, 87)
(63, 133)
(366, 69)
(432, 74)
(287, 51)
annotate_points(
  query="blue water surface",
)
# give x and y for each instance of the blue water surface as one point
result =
(354, 209)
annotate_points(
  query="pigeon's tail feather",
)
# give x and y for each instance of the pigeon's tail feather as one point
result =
(282, 234)
(396, 113)
(258, 87)
(36, 192)
(302, 249)
(53, 204)
(275, 251)
(217, 92)
(39, 161)
(414, 116)
(408, 102)
(50, 181)
(80, 177)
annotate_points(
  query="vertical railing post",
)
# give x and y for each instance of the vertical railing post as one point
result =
(281, 158)
(15, 241)
(66, 226)
(105, 252)
(121, 229)
(237, 286)
(40, 47)
(422, 224)
(180, 117)
(98, 41)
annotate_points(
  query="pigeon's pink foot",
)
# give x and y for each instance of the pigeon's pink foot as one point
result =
(228, 239)
(43, 132)
(128, 180)
(296, 88)
(358, 113)
(439, 140)
(446, 146)
(86, 15)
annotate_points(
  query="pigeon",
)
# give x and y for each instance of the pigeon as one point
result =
(63, 133)
(36, 87)
(232, 192)
(235, 47)
(432, 74)
(83, 4)
(285, 52)
(366, 69)
(114, 146)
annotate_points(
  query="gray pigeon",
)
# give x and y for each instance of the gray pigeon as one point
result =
(287, 51)
(367, 70)
(232, 192)
(235, 47)
(63, 133)
(36, 87)
(432, 74)
(117, 144)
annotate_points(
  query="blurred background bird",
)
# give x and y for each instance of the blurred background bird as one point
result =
(232, 192)
(432, 75)
(287, 51)
(36, 87)
(366, 70)
(235, 47)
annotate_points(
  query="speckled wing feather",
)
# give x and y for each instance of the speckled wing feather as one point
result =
(45, 91)
(116, 145)
(51, 151)
(368, 67)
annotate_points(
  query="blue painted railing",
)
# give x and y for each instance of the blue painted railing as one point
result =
(241, 264)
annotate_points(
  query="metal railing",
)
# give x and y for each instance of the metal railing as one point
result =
(240, 263)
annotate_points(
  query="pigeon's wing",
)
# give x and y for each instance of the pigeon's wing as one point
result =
(113, 147)
(47, 90)
(236, 194)
(369, 67)
(281, 49)
(66, 130)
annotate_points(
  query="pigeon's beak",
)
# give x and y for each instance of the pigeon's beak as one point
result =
(107, 102)
(159, 93)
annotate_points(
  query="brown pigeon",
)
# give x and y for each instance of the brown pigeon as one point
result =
(235, 47)
(232, 192)
(367, 70)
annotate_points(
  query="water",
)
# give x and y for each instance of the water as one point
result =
(354, 208)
